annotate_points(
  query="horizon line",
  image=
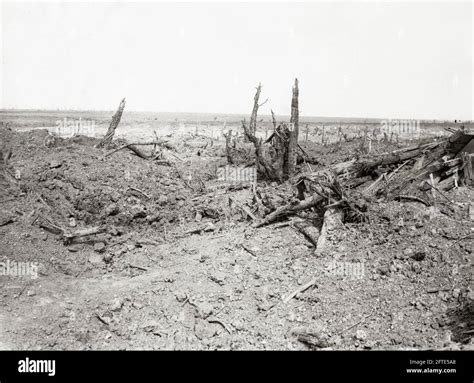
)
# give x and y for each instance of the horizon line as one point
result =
(233, 114)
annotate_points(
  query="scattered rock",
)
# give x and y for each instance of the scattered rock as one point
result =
(204, 330)
(74, 248)
(218, 277)
(370, 344)
(138, 211)
(153, 326)
(181, 296)
(116, 304)
(408, 252)
(416, 267)
(162, 199)
(108, 257)
(361, 335)
(112, 209)
(419, 255)
(99, 247)
(55, 164)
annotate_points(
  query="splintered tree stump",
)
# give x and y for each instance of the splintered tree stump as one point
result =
(276, 158)
(253, 117)
(113, 125)
(294, 130)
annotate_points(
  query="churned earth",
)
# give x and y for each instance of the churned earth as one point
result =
(179, 265)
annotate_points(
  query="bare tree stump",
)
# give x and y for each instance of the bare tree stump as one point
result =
(293, 144)
(113, 125)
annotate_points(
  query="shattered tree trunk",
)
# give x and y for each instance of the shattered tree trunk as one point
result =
(253, 117)
(274, 121)
(113, 125)
(290, 168)
(276, 161)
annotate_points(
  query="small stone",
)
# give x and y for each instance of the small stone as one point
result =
(456, 293)
(204, 310)
(108, 257)
(99, 247)
(116, 304)
(181, 296)
(416, 267)
(238, 324)
(369, 345)
(152, 326)
(408, 253)
(218, 277)
(138, 211)
(115, 196)
(112, 209)
(361, 335)
(55, 164)
(204, 330)
(162, 199)
(72, 222)
(441, 321)
(337, 341)
(74, 248)
(153, 218)
(419, 255)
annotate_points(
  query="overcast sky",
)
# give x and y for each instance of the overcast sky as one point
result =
(387, 60)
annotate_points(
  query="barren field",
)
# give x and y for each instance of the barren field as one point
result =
(177, 258)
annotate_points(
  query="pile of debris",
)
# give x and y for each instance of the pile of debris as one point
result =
(406, 174)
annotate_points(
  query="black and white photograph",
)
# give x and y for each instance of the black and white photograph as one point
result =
(291, 176)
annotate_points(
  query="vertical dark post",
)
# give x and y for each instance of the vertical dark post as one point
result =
(294, 121)
(113, 125)
(253, 117)
(274, 121)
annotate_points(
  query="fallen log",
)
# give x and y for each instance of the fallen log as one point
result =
(68, 237)
(132, 147)
(290, 208)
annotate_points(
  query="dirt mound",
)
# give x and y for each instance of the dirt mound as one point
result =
(132, 253)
